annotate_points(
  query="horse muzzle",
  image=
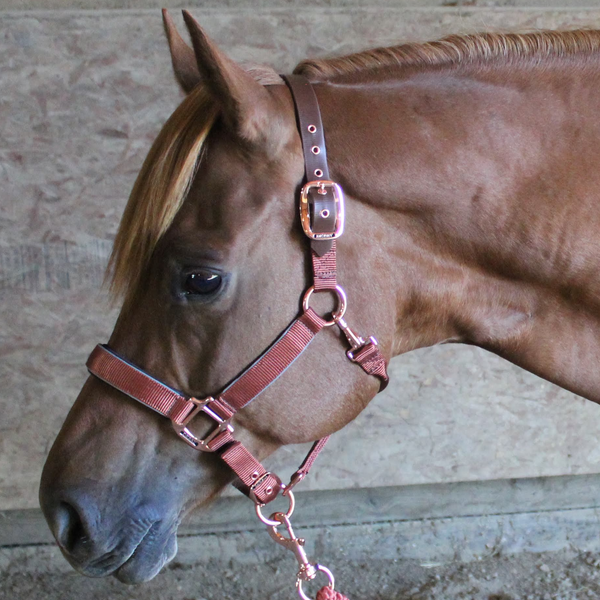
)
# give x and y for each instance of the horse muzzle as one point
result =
(131, 544)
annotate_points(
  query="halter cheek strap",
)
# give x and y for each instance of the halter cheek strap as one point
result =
(322, 213)
(322, 216)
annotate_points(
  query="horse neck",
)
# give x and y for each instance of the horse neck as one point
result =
(482, 187)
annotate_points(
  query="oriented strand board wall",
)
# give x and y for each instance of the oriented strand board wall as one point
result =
(81, 97)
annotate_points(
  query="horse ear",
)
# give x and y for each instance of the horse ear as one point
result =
(246, 105)
(182, 56)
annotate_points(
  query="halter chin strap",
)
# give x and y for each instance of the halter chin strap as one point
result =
(322, 215)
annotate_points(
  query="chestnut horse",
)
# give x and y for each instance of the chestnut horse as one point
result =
(470, 167)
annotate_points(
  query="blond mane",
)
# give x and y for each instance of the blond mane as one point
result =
(169, 168)
(159, 190)
(455, 50)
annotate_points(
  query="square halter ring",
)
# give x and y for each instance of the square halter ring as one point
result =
(322, 187)
(204, 445)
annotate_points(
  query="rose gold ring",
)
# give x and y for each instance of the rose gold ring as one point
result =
(288, 514)
(342, 303)
(317, 568)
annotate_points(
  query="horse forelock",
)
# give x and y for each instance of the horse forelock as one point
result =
(456, 50)
(159, 190)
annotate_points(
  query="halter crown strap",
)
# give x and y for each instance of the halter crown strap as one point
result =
(322, 207)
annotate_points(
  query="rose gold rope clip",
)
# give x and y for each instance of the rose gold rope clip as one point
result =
(308, 571)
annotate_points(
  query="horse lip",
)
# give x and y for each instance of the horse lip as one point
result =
(102, 567)
(135, 575)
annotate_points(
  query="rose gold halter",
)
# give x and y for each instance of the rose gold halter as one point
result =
(322, 216)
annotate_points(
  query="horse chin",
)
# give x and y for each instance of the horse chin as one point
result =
(131, 563)
(147, 560)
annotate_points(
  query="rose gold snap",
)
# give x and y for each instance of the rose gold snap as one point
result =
(315, 150)
(318, 173)
(324, 213)
(312, 129)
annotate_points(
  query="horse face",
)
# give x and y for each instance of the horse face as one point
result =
(221, 283)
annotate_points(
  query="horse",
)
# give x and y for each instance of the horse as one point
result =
(469, 167)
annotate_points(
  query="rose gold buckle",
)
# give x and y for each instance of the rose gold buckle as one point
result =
(189, 438)
(338, 196)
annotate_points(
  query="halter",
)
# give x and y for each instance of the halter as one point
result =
(322, 216)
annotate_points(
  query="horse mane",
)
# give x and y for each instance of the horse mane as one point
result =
(169, 169)
(455, 50)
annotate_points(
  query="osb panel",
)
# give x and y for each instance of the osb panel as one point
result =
(81, 97)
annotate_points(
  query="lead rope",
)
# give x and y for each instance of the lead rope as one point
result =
(328, 593)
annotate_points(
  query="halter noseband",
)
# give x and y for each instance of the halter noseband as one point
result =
(322, 217)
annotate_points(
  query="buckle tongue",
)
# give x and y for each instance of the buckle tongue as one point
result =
(204, 445)
(338, 196)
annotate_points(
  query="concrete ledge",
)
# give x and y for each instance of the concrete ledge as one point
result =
(366, 506)
(429, 8)
(291, 4)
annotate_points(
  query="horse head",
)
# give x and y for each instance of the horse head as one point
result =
(210, 262)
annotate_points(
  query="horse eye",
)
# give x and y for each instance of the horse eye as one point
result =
(202, 282)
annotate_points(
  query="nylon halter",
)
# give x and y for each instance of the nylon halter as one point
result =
(322, 216)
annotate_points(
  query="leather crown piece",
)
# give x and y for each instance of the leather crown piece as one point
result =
(322, 216)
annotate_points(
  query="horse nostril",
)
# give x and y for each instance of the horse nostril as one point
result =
(70, 531)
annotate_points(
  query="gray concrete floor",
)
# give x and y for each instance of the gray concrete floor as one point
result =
(544, 555)
(565, 575)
